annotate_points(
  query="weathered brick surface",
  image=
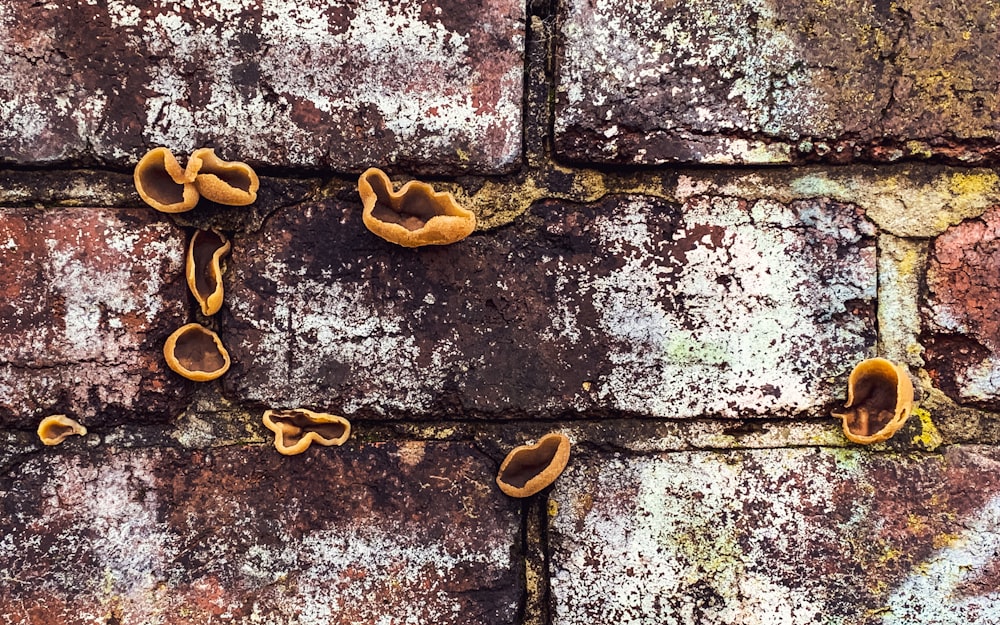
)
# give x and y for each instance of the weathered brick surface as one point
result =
(960, 312)
(630, 305)
(777, 537)
(432, 85)
(754, 81)
(87, 297)
(396, 533)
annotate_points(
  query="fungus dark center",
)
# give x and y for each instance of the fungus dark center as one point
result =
(197, 351)
(232, 176)
(528, 463)
(297, 424)
(206, 244)
(158, 184)
(415, 208)
(57, 430)
(874, 403)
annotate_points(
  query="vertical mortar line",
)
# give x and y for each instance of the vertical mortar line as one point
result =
(536, 562)
(901, 266)
(537, 113)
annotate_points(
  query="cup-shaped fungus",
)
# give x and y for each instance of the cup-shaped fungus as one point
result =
(204, 269)
(413, 216)
(57, 428)
(225, 182)
(162, 183)
(196, 353)
(879, 401)
(294, 430)
(530, 468)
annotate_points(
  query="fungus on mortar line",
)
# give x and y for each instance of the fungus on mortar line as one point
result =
(225, 182)
(196, 353)
(414, 216)
(294, 430)
(879, 401)
(57, 428)
(162, 183)
(529, 468)
(204, 269)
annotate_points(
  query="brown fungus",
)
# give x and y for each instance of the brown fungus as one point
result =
(204, 269)
(162, 183)
(196, 353)
(57, 428)
(529, 468)
(224, 182)
(879, 401)
(294, 430)
(415, 215)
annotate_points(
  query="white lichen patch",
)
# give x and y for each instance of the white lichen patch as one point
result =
(741, 313)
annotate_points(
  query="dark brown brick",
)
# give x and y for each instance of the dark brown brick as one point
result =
(403, 532)
(716, 81)
(427, 85)
(87, 297)
(631, 306)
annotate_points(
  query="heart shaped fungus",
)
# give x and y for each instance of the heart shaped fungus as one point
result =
(57, 428)
(196, 353)
(294, 430)
(204, 269)
(225, 182)
(415, 215)
(879, 401)
(162, 183)
(530, 468)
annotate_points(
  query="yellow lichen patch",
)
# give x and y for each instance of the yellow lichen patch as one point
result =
(57, 428)
(929, 438)
(553, 508)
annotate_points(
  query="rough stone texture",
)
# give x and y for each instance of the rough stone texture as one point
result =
(960, 313)
(630, 305)
(764, 81)
(432, 85)
(777, 537)
(390, 533)
(87, 297)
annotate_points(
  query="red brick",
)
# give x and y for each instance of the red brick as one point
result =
(777, 537)
(87, 297)
(960, 314)
(402, 532)
(428, 85)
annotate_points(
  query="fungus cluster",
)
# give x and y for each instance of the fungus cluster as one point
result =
(164, 185)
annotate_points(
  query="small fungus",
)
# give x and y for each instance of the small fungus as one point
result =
(415, 215)
(57, 428)
(162, 183)
(225, 182)
(530, 468)
(204, 269)
(879, 401)
(294, 430)
(196, 353)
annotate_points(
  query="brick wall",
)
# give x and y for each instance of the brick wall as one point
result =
(695, 217)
